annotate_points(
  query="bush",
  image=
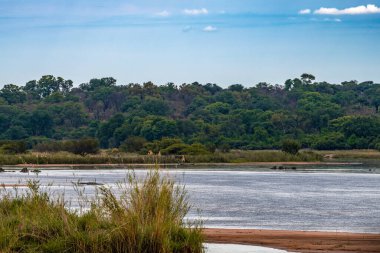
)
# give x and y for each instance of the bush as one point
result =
(79, 147)
(225, 147)
(133, 144)
(184, 149)
(195, 149)
(49, 146)
(31, 142)
(83, 147)
(160, 145)
(13, 147)
(175, 149)
(291, 146)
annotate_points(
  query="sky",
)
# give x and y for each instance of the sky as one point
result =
(183, 41)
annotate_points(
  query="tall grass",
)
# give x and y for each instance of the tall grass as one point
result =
(235, 156)
(245, 156)
(147, 215)
(351, 154)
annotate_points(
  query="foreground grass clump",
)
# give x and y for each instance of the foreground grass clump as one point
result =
(145, 216)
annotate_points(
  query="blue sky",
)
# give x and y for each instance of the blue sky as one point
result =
(217, 41)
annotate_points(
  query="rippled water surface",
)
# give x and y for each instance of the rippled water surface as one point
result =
(335, 199)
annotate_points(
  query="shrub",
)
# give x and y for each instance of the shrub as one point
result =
(79, 147)
(48, 146)
(225, 147)
(195, 149)
(133, 144)
(160, 145)
(291, 146)
(13, 147)
(84, 146)
(175, 149)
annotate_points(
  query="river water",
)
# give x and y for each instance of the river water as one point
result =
(334, 198)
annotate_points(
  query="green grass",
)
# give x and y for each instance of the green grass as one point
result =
(148, 217)
(351, 154)
(235, 156)
(242, 156)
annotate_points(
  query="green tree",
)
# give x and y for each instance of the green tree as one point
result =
(155, 106)
(13, 94)
(41, 123)
(307, 78)
(315, 110)
(107, 129)
(154, 128)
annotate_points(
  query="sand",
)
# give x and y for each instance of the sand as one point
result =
(297, 241)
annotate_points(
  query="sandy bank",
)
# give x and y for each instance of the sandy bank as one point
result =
(297, 241)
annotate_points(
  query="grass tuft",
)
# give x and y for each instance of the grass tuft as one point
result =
(146, 215)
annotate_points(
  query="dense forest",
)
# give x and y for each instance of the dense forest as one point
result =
(131, 117)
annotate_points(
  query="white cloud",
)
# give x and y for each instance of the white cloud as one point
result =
(164, 13)
(305, 11)
(332, 20)
(210, 28)
(195, 11)
(362, 9)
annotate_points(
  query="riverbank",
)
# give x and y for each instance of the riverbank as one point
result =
(111, 157)
(297, 241)
(166, 165)
(235, 157)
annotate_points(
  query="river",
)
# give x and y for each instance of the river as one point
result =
(333, 198)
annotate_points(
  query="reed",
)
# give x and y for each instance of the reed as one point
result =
(146, 215)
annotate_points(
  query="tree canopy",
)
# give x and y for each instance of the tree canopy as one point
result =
(317, 115)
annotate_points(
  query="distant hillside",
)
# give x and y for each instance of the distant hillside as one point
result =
(318, 114)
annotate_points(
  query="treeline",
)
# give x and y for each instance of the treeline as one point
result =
(194, 117)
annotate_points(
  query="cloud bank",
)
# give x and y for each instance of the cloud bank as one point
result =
(358, 10)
